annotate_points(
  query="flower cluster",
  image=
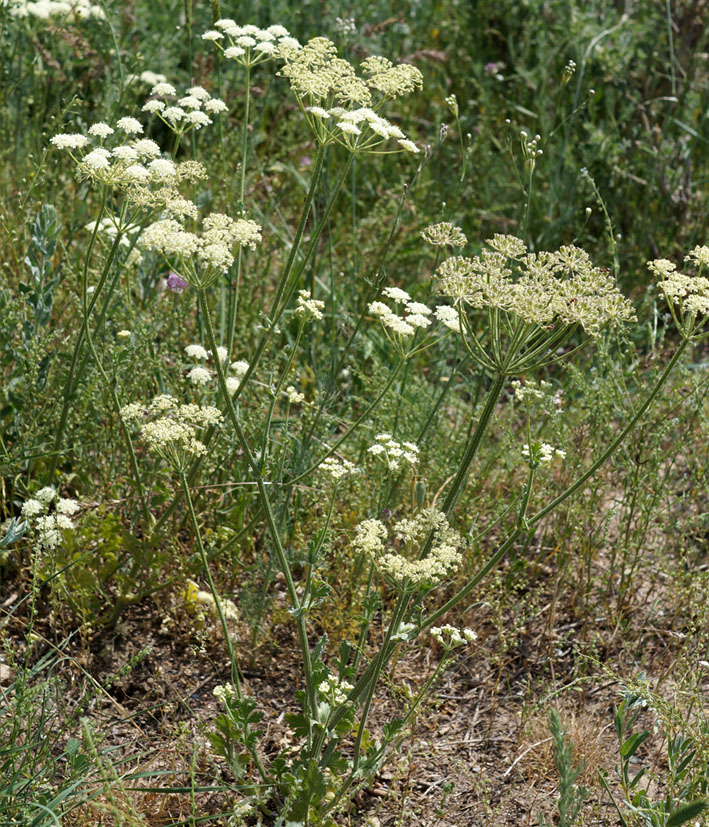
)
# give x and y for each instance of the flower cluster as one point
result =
(201, 259)
(687, 296)
(135, 166)
(334, 690)
(407, 569)
(543, 289)
(541, 453)
(69, 10)
(450, 636)
(337, 468)
(414, 316)
(170, 428)
(308, 308)
(196, 600)
(201, 375)
(47, 528)
(393, 452)
(339, 105)
(250, 45)
(191, 111)
(444, 234)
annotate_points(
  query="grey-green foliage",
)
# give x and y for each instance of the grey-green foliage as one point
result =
(685, 782)
(571, 796)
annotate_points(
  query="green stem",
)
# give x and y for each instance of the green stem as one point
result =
(472, 449)
(145, 508)
(266, 503)
(212, 587)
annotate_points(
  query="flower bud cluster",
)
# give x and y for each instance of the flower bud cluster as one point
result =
(337, 468)
(334, 690)
(135, 166)
(406, 568)
(340, 106)
(307, 308)
(415, 316)
(47, 528)
(393, 452)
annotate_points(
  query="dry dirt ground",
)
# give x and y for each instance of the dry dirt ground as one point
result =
(480, 751)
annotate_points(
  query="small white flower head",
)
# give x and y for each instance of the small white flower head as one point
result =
(67, 506)
(393, 452)
(240, 368)
(337, 468)
(137, 174)
(451, 637)
(130, 125)
(408, 145)
(198, 119)
(146, 148)
(153, 106)
(199, 92)
(418, 308)
(125, 153)
(215, 106)
(31, 508)
(173, 114)
(189, 102)
(222, 354)
(212, 35)
(162, 89)
(199, 376)
(541, 453)
(444, 234)
(163, 169)
(294, 397)
(98, 158)
(397, 294)
(124, 334)
(308, 308)
(101, 130)
(46, 495)
(234, 52)
(197, 352)
(318, 112)
(66, 141)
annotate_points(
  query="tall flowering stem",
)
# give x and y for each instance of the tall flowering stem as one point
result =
(268, 509)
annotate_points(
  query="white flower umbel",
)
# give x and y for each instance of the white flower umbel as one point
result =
(400, 561)
(533, 301)
(171, 429)
(48, 517)
(541, 453)
(337, 468)
(307, 308)
(450, 637)
(394, 453)
(201, 259)
(686, 295)
(444, 234)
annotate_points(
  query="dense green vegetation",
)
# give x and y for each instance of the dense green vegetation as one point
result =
(333, 387)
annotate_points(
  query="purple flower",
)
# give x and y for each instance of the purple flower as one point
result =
(490, 68)
(176, 283)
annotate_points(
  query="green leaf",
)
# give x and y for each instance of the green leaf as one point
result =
(631, 745)
(683, 814)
